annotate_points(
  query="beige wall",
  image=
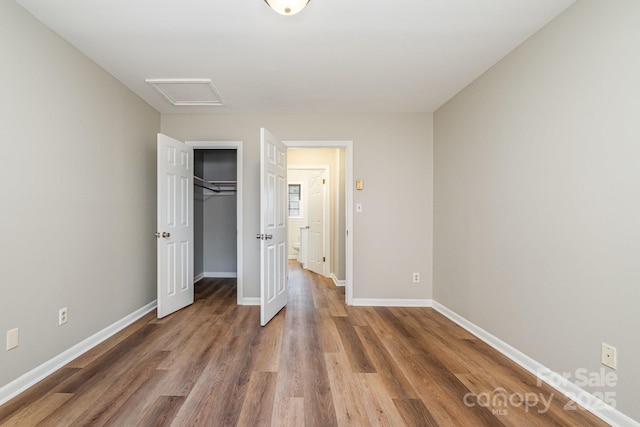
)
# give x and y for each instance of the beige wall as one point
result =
(392, 153)
(77, 186)
(537, 195)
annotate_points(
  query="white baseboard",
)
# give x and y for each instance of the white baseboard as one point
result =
(381, 302)
(336, 281)
(249, 301)
(198, 278)
(220, 274)
(17, 386)
(572, 391)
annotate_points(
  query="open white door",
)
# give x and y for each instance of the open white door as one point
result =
(273, 226)
(316, 253)
(175, 225)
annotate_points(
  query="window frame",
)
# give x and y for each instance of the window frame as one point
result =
(300, 208)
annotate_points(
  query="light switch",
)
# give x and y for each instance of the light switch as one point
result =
(359, 184)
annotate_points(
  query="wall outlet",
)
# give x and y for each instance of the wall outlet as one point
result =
(609, 356)
(62, 316)
(416, 277)
(13, 338)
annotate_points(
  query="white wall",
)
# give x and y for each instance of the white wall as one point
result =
(77, 186)
(392, 153)
(537, 195)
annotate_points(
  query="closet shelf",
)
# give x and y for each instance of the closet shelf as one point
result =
(213, 188)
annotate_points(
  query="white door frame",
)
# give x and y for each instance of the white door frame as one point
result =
(326, 269)
(348, 197)
(231, 145)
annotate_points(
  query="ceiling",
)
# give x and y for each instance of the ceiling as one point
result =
(334, 56)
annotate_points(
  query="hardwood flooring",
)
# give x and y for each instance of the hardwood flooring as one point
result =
(317, 363)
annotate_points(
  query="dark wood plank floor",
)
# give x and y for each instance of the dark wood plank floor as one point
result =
(318, 363)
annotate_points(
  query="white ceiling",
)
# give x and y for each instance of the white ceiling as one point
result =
(335, 56)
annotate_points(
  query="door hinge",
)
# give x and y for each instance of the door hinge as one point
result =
(323, 181)
(324, 259)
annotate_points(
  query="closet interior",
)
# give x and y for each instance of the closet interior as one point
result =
(215, 216)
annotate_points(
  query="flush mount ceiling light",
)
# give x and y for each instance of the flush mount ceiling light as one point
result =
(287, 7)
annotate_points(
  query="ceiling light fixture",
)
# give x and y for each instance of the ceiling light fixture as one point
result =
(287, 7)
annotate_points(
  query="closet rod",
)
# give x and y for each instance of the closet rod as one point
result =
(206, 188)
(217, 187)
(197, 181)
(222, 182)
(204, 181)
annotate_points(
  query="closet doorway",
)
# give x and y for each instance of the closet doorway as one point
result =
(217, 211)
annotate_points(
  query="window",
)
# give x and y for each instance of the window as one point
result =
(295, 201)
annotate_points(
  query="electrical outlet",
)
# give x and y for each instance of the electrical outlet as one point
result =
(13, 338)
(62, 316)
(416, 277)
(609, 356)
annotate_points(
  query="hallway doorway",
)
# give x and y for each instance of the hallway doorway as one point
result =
(334, 157)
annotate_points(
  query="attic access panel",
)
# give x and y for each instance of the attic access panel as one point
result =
(188, 92)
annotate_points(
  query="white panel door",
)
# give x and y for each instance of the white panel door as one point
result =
(175, 225)
(315, 259)
(273, 226)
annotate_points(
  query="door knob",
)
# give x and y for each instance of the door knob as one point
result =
(268, 236)
(165, 234)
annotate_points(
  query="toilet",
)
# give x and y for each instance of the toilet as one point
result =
(300, 245)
